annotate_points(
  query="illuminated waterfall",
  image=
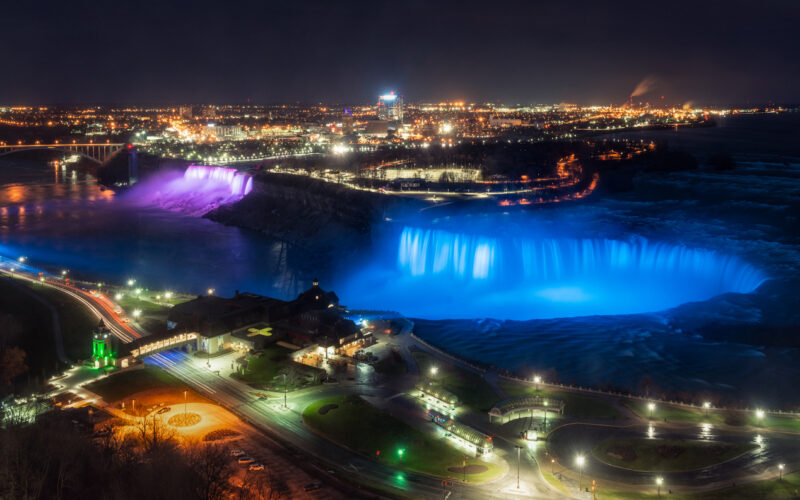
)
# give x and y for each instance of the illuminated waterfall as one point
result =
(196, 191)
(240, 184)
(448, 274)
(432, 252)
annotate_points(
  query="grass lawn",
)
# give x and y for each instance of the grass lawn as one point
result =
(27, 324)
(674, 413)
(680, 414)
(575, 405)
(266, 369)
(789, 487)
(547, 472)
(472, 390)
(663, 455)
(77, 323)
(353, 422)
(122, 385)
(130, 303)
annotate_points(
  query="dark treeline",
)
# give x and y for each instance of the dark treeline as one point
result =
(51, 459)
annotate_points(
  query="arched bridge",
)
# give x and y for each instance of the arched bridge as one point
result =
(99, 152)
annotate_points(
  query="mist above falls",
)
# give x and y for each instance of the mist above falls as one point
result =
(196, 191)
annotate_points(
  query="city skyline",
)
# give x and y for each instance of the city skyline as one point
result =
(583, 52)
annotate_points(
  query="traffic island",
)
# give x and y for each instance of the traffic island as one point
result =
(184, 420)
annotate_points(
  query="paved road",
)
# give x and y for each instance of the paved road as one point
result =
(96, 305)
(288, 425)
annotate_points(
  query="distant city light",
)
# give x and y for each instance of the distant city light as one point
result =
(388, 97)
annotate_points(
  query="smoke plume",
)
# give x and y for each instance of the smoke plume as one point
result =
(644, 86)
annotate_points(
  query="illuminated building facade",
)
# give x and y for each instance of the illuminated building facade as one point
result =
(102, 354)
(390, 108)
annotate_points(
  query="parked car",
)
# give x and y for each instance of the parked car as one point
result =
(237, 453)
(256, 467)
(313, 486)
(244, 459)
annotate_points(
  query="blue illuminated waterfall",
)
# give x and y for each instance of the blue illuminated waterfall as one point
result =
(446, 274)
(432, 252)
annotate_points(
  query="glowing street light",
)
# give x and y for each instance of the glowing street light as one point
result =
(579, 460)
(780, 472)
(537, 380)
(659, 482)
(131, 282)
(434, 370)
(210, 291)
(706, 406)
(760, 416)
(650, 408)
(168, 295)
(117, 296)
(137, 313)
(22, 259)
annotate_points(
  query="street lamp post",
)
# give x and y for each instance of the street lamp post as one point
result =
(552, 466)
(659, 482)
(434, 370)
(706, 406)
(780, 472)
(284, 391)
(519, 449)
(579, 460)
(650, 408)
(537, 380)
(760, 416)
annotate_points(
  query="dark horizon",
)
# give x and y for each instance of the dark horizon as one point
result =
(589, 53)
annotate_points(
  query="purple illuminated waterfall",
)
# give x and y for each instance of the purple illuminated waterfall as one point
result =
(197, 191)
(240, 184)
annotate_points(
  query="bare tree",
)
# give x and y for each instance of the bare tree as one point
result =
(153, 434)
(211, 465)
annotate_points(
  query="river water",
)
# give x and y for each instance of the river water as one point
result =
(60, 218)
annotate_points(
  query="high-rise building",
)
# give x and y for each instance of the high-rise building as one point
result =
(390, 107)
(185, 112)
(347, 122)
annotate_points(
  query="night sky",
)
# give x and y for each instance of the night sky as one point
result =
(220, 51)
